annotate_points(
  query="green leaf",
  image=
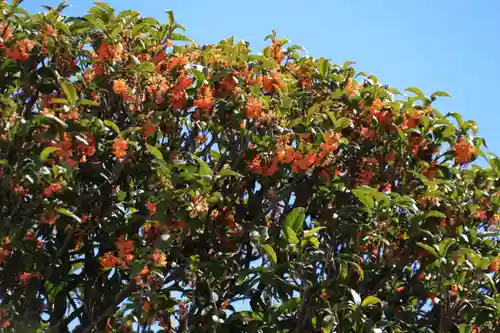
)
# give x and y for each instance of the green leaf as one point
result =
(457, 117)
(416, 91)
(370, 300)
(230, 173)
(171, 19)
(63, 101)
(428, 248)
(342, 123)
(355, 296)
(324, 66)
(440, 94)
(434, 213)
(46, 152)
(55, 119)
(366, 199)
(313, 231)
(269, 251)
(290, 235)
(205, 169)
(314, 241)
(146, 67)
(66, 212)
(295, 219)
(444, 245)
(155, 152)
(111, 124)
(69, 91)
(179, 37)
(199, 76)
(358, 269)
(87, 102)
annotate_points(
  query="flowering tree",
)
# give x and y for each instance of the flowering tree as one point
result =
(152, 184)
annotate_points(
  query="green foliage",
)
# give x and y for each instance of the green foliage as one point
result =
(149, 183)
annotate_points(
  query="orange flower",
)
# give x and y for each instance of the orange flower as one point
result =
(325, 176)
(151, 208)
(307, 161)
(5, 31)
(228, 84)
(104, 52)
(25, 277)
(120, 87)
(464, 152)
(365, 177)
(275, 51)
(390, 157)
(87, 149)
(20, 51)
(107, 52)
(286, 155)
(124, 247)
(108, 260)
(272, 82)
(201, 139)
(149, 128)
(205, 101)
(376, 105)
(495, 263)
(159, 259)
(120, 147)
(51, 189)
(253, 108)
(454, 290)
(255, 165)
(273, 168)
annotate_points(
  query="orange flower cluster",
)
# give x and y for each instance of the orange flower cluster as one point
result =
(20, 51)
(158, 88)
(65, 150)
(5, 31)
(149, 128)
(495, 263)
(464, 151)
(120, 88)
(120, 148)
(151, 208)
(159, 258)
(52, 188)
(107, 52)
(86, 149)
(125, 249)
(267, 169)
(25, 277)
(5, 250)
(4, 323)
(352, 88)
(108, 260)
(366, 174)
(253, 108)
(178, 98)
(276, 52)
(205, 100)
(272, 83)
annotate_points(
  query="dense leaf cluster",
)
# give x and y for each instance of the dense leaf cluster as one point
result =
(152, 184)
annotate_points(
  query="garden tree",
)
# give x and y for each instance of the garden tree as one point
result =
(152, 184)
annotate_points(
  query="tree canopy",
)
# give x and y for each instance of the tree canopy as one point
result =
(151, 184)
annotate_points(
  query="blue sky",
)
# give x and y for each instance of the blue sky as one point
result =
(433, 45)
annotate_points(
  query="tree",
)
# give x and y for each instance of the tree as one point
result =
(152, 184)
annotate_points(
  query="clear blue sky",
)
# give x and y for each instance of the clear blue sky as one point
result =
(446, 45)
